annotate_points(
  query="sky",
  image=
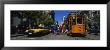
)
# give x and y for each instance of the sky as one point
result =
(59, 15)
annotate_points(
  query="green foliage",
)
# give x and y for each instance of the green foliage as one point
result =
(38, 17)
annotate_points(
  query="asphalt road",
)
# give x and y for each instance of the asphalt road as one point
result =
(56, 37)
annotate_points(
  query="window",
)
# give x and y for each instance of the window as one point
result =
(79, 20)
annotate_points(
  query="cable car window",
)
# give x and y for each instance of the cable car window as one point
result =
(79, 20)
(73, 22)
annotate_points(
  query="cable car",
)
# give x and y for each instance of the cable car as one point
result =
(77, 26)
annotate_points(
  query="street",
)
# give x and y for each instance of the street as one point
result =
(57, 37)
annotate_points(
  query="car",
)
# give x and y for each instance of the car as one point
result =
(39, 31)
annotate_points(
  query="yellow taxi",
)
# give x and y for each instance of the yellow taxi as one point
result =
(38, 31)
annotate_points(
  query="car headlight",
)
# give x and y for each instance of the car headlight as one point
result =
(30, 33)
(26, 31)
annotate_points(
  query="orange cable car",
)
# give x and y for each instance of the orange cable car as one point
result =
(76, 25)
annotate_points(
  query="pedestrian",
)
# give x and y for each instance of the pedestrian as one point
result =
(58, 31)
(54, 30)
(66, 31)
